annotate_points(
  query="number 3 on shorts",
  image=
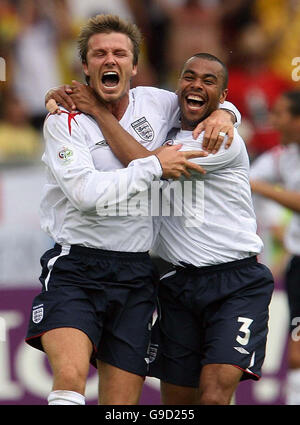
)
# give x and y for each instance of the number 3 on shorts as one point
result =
(246, 322)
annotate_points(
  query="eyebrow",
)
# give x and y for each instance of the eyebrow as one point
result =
(117, 49)
(189, 71)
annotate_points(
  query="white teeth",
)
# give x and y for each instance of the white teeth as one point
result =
(110, 73)
(192, 97)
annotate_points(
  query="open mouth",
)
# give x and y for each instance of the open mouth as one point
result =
(110, 79)
(195, 102)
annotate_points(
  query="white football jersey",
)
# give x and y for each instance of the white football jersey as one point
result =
(88, 196)
(282, 165)
(216, 223)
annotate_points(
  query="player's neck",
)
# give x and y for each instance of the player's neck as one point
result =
(186, 125)
(118, 108)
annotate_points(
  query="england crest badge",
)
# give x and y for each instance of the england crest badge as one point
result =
(38, 313)
(143, 129)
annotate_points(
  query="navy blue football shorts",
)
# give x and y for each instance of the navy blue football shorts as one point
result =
(211, 315)
(108, 295)
(292, 284)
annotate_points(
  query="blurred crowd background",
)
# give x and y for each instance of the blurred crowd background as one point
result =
(257, 39)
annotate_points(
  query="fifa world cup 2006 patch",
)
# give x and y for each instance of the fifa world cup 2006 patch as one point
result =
(38, 313)
(66, 155)
(143, 129)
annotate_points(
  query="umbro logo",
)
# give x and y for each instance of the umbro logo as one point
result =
(241, 350)
(102, 143)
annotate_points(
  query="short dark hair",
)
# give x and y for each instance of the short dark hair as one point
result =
(213, 58)
(294, 98)
(107, 24)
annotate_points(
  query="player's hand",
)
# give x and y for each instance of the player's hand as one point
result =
(175, 163)
(59, 96)
(85, 98)
(218, 122)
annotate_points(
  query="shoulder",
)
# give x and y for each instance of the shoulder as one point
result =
(65, 121)
(153, 92)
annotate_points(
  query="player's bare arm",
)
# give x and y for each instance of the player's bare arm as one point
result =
(215, 127)
(287, 198)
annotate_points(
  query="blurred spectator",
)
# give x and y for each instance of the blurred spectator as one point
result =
(9, 28)
(153, 23)
(272, 222)
(236, 15)
(9, 21)
(36, 65)
(19, 140)
(144, 15)
(272, 179)
(82, 10)
(194, 26)
(253, 88)
(280, 20)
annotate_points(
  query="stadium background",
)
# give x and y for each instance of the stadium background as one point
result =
(258, 39)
